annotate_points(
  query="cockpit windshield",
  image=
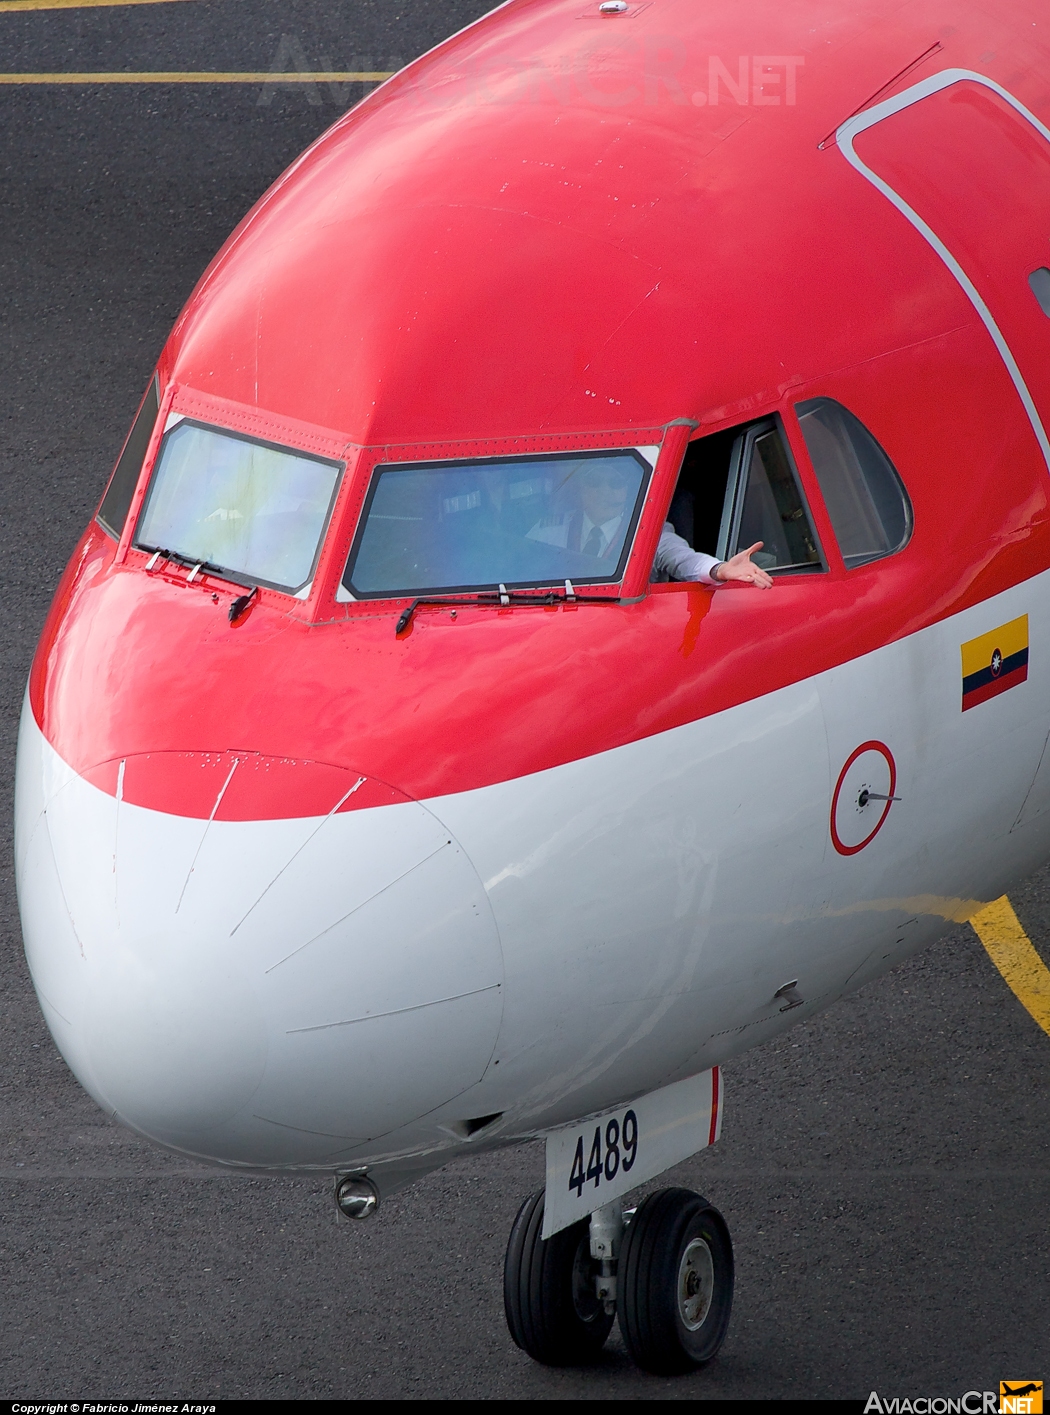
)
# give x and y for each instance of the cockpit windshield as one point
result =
(518, 522)
(247, 508)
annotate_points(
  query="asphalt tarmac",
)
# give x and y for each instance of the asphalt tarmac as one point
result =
(885, 1169)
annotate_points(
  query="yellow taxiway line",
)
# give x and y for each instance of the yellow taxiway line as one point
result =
(204, 77)
(1010, 949)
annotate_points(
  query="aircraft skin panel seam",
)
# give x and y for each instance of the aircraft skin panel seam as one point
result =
(852, 127)
(394, 1011)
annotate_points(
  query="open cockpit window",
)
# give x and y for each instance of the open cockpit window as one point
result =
(248, 510)
(866, 499)
(521, 522)
(117, 501)
(740, 486)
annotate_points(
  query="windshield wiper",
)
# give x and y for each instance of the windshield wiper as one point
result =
(501, 598)
(177, 557)
(239, 605)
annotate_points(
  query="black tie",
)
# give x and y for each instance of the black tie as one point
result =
(593, 544)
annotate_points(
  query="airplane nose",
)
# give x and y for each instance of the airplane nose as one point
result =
(270, 992)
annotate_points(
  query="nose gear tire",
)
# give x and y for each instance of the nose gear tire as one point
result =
(553, 1311)
(675, 1282)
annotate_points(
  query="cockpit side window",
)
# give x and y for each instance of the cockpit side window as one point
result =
(740, 486)
(866, 500)
(117, 501)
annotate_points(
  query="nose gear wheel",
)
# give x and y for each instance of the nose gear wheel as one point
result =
(549, 1295)
(675, 1282)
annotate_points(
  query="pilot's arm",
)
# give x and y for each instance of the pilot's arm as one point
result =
(676, 559)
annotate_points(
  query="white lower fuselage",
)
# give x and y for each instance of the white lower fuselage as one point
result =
(352, 990)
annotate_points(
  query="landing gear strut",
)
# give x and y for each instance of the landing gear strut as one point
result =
(668, 1276)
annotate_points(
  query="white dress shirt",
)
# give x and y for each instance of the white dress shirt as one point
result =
(558, 533)
(677, 560)
(609, 531)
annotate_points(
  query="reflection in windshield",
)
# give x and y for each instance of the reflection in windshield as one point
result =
(476, 525)
(249, 508)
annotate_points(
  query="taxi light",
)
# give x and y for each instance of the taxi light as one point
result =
(356, 1196)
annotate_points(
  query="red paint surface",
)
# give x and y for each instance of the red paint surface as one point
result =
(968, 140)
(995, 687)
(469, 265)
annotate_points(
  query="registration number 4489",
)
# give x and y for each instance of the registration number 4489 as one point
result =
(612, 1148)
(592, 1162)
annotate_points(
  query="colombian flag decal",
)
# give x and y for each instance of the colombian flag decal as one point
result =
(994, 662)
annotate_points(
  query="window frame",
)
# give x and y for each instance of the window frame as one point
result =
(736, 490)
(234, 577)
(152, 390)
(346, 587)
(909, 508)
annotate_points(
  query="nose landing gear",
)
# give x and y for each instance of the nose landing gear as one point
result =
(669, 1277)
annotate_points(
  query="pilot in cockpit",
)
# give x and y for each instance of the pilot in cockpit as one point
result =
(593, 527)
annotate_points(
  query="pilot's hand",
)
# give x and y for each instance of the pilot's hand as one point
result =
(742, 568)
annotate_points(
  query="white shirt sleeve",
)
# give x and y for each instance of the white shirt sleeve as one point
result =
(677, 559)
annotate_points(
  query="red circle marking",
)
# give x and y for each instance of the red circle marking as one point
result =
(864, 747)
